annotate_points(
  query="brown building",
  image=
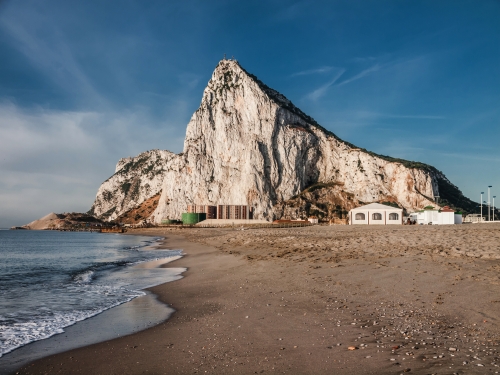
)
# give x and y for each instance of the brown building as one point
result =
(229, 211)
(211, 211)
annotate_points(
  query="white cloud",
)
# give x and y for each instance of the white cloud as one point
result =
(320, 91)
(323, 69)
(360, 75)
(56, 160)
(47, 50)
(376, 115)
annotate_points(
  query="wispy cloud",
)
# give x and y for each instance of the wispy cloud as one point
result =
(319, 92)
(374, 115)
(360, 75)
(49, 52)
(323, 69)
(471, 157)
(398, 63)
(405, 148)
(421, 117)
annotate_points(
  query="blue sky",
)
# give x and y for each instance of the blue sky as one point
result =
(84, 83)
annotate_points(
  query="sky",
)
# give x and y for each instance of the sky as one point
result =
(85, 83)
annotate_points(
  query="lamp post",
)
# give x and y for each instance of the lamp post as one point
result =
(489, 202)
(481, 207)
(493, 210)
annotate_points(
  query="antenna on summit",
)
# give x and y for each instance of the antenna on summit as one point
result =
(224, 57)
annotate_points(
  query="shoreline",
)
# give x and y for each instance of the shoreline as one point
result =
(249, 302)
(154, 291)
(124, 319)
(77, 335)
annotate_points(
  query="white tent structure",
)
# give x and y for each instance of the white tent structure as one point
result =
(376, 214)
(440, 216)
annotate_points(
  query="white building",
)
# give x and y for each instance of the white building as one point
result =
(313, 220)
(376, 214)
(474, 218)
(430, 215)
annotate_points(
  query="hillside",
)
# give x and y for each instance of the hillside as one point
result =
(72, 220)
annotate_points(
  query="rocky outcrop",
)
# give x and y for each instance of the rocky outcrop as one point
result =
(140, 214)
(73, 220)
(136, 180)
(248, 144)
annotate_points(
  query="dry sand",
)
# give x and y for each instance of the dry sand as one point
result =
(416, 299)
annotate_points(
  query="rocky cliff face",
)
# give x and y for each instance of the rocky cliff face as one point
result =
(248, 144)
(135, 181)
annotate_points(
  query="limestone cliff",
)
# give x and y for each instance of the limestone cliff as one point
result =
(248, 144)
(136, 180)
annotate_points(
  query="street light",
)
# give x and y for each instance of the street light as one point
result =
(481, 206)
(493, 211)
(489, 202)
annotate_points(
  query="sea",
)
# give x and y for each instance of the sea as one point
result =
(50, 280)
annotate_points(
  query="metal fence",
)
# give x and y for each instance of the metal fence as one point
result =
(237, 226)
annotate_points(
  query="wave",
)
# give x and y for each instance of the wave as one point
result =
(15, 335)
(73, 295)
(146, 243)
(131, 247)
(87, 274)
(84, 277)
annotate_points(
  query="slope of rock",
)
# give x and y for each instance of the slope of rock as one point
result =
(248, 144)
(44, 222)
(61, 221)
(136, 179)
(142, 212)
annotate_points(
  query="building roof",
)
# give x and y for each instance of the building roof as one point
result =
(447, 209)
(377, 206)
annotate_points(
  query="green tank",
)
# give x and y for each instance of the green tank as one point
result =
(192, 218)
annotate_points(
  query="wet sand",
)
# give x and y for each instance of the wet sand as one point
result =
(417, 299)
(130, 317)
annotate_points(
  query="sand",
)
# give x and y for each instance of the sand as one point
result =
(417, 299)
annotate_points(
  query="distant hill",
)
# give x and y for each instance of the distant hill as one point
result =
(62, 221)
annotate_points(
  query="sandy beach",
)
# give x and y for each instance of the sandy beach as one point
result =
(316, 300)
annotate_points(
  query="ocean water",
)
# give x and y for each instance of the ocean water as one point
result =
(50, 280)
